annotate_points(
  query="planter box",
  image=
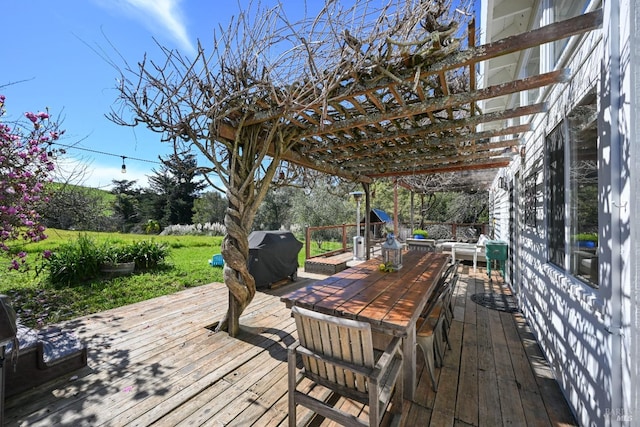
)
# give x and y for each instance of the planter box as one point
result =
(118, 269)
(421, 244)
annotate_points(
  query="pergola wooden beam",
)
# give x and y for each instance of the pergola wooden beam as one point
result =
(549, 33)
(496, 163)
(407, 161)
(374, 139)
(439, 143)
(471, 121)
(295, 158)
(445, 102)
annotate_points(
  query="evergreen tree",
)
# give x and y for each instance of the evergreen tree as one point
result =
(125, 205)
(176, 187)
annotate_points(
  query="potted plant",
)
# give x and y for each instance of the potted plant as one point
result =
(420, 234)
(116, 260)
(586, 240)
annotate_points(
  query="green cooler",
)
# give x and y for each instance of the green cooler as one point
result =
(496, 250)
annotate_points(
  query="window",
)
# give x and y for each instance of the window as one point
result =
(572, 189)
(556, 205)
(563, 10)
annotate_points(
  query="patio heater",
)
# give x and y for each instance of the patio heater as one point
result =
(358, 241)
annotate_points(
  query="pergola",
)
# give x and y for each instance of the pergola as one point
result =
(417, 118)
(398, 98)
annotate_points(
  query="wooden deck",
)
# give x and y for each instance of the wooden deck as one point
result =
(156, 363)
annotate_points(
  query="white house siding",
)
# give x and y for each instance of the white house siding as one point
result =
(632, 399)
(589, 335)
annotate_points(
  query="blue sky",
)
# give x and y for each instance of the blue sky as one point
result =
(54, 53)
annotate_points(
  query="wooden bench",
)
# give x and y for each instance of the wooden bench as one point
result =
(328, 265)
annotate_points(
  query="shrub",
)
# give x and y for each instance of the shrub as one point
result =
(152, 227)
(207, 229)
(80, 260)
(147, 253)
(439, 231)
(74, 262)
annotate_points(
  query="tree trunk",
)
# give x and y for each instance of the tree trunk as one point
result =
(235, 250)
(245, 192)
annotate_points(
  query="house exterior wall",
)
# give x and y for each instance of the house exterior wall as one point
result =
(634, 250)
(589, 335)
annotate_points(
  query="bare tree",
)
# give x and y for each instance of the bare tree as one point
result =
(236, 104)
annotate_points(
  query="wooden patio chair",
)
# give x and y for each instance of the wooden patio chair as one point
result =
(338, 354)
(448, 302)
(451, 270)
(432, 330)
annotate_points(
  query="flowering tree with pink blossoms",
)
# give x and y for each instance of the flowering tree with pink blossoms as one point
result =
(24, 169)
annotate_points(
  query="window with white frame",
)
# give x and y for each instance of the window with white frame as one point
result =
(572, 192)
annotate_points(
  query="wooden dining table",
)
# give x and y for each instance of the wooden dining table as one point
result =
(390, 301)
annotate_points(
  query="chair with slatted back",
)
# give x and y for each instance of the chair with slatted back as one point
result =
(429, 333)
(432, 329)
(338, 354)
(451, 270)
(448, 302)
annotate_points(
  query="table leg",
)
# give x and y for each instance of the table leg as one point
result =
(409, 368)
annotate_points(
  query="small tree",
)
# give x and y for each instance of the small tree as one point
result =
(324, 204)
(74, 206)
(24, 168)
(275, 210)
(209, 208)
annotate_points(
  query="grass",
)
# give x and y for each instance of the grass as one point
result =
(39, 303)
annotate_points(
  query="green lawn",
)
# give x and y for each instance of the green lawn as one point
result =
(39, 303)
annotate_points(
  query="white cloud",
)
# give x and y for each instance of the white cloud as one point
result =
(164, 17)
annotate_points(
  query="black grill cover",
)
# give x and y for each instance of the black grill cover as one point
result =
(273, 256)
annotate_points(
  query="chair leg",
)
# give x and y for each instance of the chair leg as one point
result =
(398, 395)
(445, 333)
(426, 344)
(439, 351)
(291, 359)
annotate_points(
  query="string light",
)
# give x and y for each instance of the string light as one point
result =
(124, 167)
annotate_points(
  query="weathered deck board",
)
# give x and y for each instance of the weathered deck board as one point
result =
(469, 374)
(489, 413)
(156, 363)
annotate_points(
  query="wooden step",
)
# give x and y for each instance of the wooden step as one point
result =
(328, 265)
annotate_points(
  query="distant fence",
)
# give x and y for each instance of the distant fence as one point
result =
(342, 233)
(449, 230)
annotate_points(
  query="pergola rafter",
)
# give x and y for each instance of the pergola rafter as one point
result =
(417, 118)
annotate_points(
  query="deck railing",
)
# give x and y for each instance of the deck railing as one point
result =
(345, 233)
